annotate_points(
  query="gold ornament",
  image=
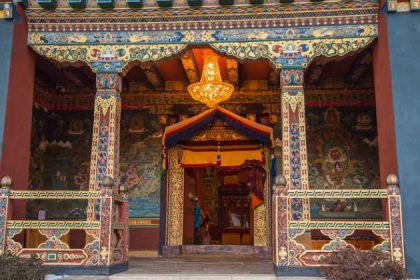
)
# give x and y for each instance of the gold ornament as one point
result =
(210, 90)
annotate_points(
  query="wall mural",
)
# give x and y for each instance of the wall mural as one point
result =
(343, 154)
(61, 147)
(141, 167)
(60, 159)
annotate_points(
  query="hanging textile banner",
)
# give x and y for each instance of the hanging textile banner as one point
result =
(220, 158)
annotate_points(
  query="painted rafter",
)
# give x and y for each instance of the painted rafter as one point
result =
(190, 66)
(358, 68)
(274, 80)
(232, 70)
(153, 77)
(316, 71)
(75, 77)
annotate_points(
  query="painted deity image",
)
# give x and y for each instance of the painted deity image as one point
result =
(342, 154)
(61, 160)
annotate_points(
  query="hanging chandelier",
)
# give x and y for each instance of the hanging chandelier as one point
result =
(210, 90)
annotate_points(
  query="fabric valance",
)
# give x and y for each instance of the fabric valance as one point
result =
(226, 158)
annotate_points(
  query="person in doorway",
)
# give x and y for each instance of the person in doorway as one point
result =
(197, 221)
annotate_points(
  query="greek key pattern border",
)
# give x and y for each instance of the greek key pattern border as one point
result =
(372, 193)
(54, 194)
(354, 225)
(18, 224)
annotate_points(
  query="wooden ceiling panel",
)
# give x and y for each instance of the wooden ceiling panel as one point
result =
(172, 70)
(338, 69)
(254, 70)
(136, 75)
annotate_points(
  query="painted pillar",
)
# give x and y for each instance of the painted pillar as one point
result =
(396, 241)
(295, 164)
(106, 212)
(106, 131)
(280, 223)
(104, 169)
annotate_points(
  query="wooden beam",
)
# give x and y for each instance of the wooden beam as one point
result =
(74, 78)
(153, 76)
(232, 70)
(274, 81)
(316, 71)
(50, 71)
(190, 66)
(358, 68)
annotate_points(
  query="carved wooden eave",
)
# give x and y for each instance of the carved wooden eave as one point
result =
(109, 39)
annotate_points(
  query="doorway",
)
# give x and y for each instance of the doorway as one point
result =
(219, 160)
(224, 197)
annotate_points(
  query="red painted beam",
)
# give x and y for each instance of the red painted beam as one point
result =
(384, 105)
(18, 117)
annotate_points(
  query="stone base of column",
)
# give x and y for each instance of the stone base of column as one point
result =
(88, 270)
(297, 271)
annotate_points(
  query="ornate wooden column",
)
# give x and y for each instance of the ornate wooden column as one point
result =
(395, 220)
(295, 164)
(280, 222)
(104, 168)
(175, 215)
(106, 130)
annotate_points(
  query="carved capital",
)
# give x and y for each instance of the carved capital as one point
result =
(291, 77)
(108, 82)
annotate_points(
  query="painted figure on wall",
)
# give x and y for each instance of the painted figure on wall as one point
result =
(60, 159)
(343, 154)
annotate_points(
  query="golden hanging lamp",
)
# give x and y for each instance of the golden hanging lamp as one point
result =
(210, 90)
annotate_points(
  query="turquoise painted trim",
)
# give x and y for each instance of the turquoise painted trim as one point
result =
(226, 2)
(202, 36)
(404, 42)
(164, 3)
(135, 3)
(256, 2)
(47, 4)
(105, 4)
(77, 4)
(6, 42)
(195, 3)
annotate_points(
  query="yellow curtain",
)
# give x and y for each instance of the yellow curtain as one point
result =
(228, 158)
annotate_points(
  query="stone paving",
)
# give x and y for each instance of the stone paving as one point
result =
(194, 267)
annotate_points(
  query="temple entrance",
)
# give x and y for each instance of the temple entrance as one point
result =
(217, 181)
(223, 198)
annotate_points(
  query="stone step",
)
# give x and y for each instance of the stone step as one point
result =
(194, 268)
(221, 250)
